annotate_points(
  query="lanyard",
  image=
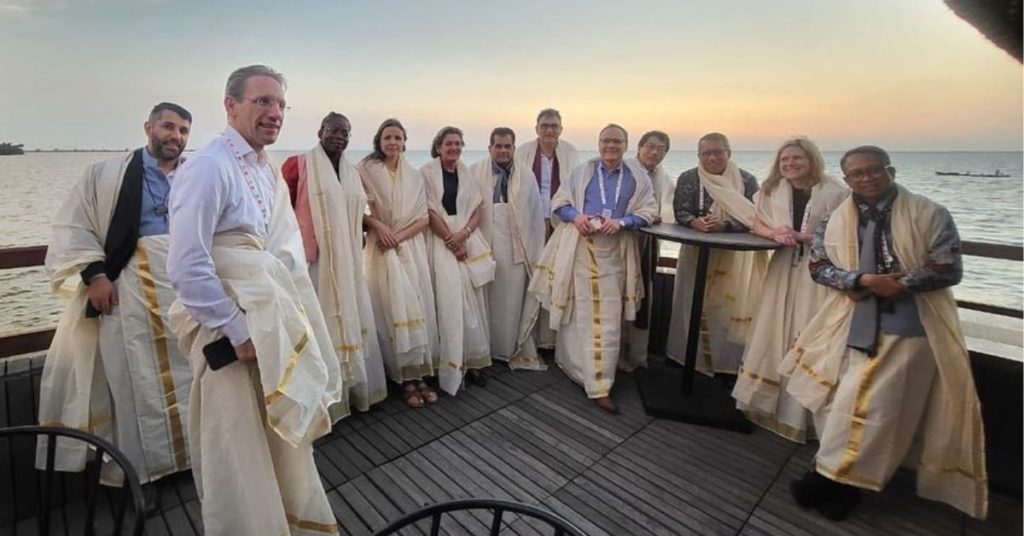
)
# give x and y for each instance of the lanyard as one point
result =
(618, 186)
(700, 201)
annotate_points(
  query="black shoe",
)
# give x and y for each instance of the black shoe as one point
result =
(811, 489)
(476, 378)
(151, 496)
(843, 500)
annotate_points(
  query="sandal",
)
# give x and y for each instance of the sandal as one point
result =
(426, 393)
(411, 396)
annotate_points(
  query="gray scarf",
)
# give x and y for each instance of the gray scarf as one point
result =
(873, 260)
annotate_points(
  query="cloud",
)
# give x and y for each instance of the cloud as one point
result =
(16, 8)
(25, 8)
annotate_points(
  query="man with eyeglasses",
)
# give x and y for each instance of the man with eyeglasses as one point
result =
(588, 277)
(884, 360)
(650, 152)
(110, 245)
(329, 202)
(265, 370)
(716, 196)
(552, 160)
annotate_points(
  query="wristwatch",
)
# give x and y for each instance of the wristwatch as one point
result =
(622, 224)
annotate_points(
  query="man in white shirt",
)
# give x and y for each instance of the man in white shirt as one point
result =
(237, 266)
(552, 160)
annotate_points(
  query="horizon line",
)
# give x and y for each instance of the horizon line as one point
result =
(427, 149)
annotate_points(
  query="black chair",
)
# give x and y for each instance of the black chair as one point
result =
(62, 502)
(560, 526)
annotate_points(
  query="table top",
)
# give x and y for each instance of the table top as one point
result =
(685, 235)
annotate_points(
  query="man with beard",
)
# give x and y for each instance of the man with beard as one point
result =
(513, 223)
(265, 371)
(329, 201)
(589, 273)
(111, 369)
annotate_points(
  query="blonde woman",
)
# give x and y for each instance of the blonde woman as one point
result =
(793, 200)
(396, 267)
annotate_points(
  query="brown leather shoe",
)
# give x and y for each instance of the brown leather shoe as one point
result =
(605, 403)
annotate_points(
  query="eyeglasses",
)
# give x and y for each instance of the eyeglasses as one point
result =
(656, 147)
(874, 172)
(268, 102)
(549, 126)
(713, 152)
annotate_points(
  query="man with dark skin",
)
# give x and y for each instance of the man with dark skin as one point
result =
(335, 131)
(889, 330)
(329, 202)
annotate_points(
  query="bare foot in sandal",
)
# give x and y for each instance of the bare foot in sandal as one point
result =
(411, 396)
(427, 393)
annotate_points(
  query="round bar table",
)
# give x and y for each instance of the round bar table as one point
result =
(695, 398)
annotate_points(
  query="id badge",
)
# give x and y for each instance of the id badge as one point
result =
(606, 214)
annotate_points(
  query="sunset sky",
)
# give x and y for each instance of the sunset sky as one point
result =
(906, 74)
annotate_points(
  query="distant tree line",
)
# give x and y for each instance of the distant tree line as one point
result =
(10, 148)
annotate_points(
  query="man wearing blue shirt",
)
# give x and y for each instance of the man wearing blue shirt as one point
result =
(110, 244)
(592, 263)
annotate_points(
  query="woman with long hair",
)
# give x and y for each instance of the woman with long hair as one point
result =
(793, 200)
(396, 267)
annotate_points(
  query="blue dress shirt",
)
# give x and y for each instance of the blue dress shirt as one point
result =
(592, 198)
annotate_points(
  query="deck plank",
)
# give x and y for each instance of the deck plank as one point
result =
(363, 488)
(349, 521)
(534, 437)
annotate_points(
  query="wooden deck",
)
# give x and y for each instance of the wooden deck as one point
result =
(534, 437)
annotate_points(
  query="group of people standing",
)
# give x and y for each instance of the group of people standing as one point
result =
(245, 309)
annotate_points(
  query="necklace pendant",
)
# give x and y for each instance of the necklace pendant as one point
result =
(161, 209)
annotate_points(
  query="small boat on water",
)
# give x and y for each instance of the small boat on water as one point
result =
(998, 173)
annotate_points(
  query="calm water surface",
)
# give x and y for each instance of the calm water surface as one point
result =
(985, 209)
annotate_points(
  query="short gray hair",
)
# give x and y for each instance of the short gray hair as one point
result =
(236, 82)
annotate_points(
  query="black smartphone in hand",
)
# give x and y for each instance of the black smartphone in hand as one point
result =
(220, 353)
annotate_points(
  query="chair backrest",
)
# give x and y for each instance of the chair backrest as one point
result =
(498, 507)
(46, 501)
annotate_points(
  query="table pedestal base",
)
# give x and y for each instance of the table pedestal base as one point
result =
(708, 403)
